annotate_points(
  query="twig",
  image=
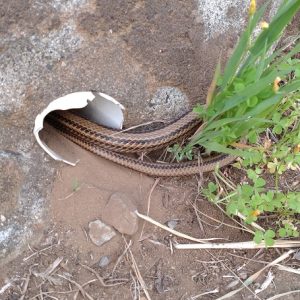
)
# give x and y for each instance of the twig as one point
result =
(266, 283)
(206, 293)
(234, 220)
(249, 259)
(234, 274)
(90, 281)
(100, 278)
(253, 224)
(149, 203)
(5, 287)
(55, 292)
(253, 277)
(198, 218)
(239, 245)
(177, 233)
(283, 294)
(223, 223)
(137, 126)
(121, 257)
(50, 268)
(138, 274)
(82, 291)
(288, 269)
(25, 286)
(40, 251)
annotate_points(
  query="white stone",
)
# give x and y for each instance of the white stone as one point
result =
(100, 233)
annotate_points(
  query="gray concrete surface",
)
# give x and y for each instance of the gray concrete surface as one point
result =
(153, 56)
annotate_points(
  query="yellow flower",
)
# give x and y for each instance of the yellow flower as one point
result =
(252, 7)
(276, 84)
(264, 25)
(297, 149)
(255, 213)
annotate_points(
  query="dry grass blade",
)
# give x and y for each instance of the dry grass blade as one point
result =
(46, 275)
(206, 293)
(121, 257)
(149, 203)
(5, 287)
(213, 85)
(50, 269)
(177, 233)
(240, 245)
(84, 294)
(253, 277)
(283, 295)
(100, 278)
(138, 126)
(253, 224)
(25, 287)
(40, 251)
(138, 274)
(222, 223)
(288, 269)
(266, 283)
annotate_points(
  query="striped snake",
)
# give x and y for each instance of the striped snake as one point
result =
(107, 143)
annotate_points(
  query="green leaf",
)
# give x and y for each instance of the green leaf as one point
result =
(260, 182)
(232, 208)
(247, 190)
(269, 233)
(282, 232)
(269, 242)
(283, 16)
(233, 63)
(252, 137)
(251, 102)
(258, 237)
(252, 174)
(212, 187)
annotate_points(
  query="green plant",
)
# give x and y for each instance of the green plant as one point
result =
(241, 102)
(254, 197)
(252, 111)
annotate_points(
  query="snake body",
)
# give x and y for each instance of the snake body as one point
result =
(107, 143)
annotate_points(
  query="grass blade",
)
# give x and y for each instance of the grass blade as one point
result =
(241, 48)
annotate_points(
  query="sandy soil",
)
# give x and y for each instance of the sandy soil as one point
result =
(78, 197)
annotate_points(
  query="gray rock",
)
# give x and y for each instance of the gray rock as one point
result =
(103, 261)
(172, 223)
(100, 233)
(119, 213)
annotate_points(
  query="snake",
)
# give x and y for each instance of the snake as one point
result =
(112, 144)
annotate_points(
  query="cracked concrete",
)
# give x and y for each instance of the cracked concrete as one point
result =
(155, 57)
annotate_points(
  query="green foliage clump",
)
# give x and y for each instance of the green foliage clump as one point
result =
(245, 100)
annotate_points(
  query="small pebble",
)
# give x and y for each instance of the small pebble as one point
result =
(297, 255)
(104, 261)
(2, 218)
(172, 223)
(100, 233)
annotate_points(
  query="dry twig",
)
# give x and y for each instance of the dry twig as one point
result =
(100, 278)
(138, 274)
(253, 277)
(177, 233)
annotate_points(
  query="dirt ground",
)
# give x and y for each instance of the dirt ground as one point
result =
(79, 194)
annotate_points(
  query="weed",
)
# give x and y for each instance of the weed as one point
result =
(242, 101)
(252, 111)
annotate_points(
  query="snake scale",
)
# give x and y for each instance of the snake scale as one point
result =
(110, 143)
